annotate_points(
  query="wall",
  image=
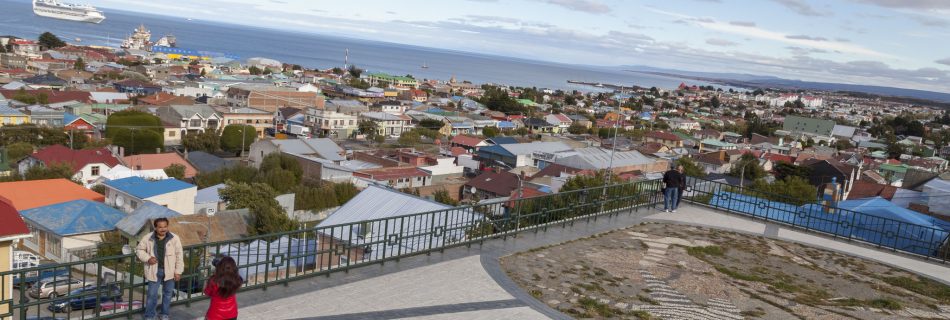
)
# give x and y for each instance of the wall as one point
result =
(386, 163)
(258, 151)
(172, 136)
(182, 201)
(454, 189)
(6, 261)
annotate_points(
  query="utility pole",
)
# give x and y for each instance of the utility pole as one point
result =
(243, 129)
(742, 176)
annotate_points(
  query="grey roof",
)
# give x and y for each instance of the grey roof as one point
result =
(206, 162)
(843, 131)
(182, 111)
(7, 111)
(808, 125)
(599, 158)
(381, 116)
(377, 202)
(528, 148)
(133, 223)
(322, 147)
(210, 194)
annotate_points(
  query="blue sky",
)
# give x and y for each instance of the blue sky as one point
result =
(901, 43)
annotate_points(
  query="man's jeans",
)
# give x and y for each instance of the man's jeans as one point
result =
(671, 198)
(151, 299)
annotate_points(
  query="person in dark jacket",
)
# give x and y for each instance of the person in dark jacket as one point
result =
(673, 180)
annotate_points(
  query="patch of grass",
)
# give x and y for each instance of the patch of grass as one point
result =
(600, 272)
(595, 307)
(884, 303)
(537, 293)
(640, 314)
(922, 286)
(699, 252)
(536, 277)
(577, 290)
(736, 274)
(753, 313)
(592, 287)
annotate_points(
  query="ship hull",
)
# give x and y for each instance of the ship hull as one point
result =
(61, 14)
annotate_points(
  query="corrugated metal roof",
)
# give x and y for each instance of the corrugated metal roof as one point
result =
(74, 217)
(323, 147)
(143, 189)
(377, 202)
(598, 158)
(528, 148)
(133, 223)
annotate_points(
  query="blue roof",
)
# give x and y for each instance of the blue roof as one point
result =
(210, 194)
(69, 118)
(133, 223)
(143, 189)
(496, 149)
(884, 208)
(74, 217)
(503, 140)
(505, 124)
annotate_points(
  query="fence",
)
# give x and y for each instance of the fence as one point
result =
(266, 260)
(929, 242)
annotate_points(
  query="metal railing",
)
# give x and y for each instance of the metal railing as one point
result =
(116, 287)
(924, 241)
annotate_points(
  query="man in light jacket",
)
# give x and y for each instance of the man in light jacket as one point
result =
(161, 253)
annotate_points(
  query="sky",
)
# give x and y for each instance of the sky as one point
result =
(898, 43)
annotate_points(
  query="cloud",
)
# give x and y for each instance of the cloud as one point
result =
(805, 37)
(929, 21)
(801, 7)
(909, 4)
(944, 61)
(589, 6)
(799, 51)
(743, 23)
(720, 42)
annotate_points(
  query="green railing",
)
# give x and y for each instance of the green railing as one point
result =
(272, 259)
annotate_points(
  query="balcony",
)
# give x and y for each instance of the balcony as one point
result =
(449, 264)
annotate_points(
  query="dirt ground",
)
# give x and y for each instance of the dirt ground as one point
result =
(662, 271)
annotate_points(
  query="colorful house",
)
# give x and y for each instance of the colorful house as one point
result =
(64, 231)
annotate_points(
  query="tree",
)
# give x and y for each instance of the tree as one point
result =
(490, 132)
(281, 161)
(430, 124)
(345, 191)
(254, 70)
(176, 171)
(410, 138)
(282, 180)
(843, 144)
(79, 64)
(99, 188)
(136, 141)
(690, 168)
(237, 173)
(368, 128)
(51, 41)
(207, 141)
(337, 71)
(354, 71)
(50, 171)
(579, 182)
(577, 128)
(784, 170)
(442, 196)
(497, 99)
(18, 150)
(314, 197)
(237, 136)
(750, 164)
(268, 216)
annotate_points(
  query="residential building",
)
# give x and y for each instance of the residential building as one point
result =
(206, 162)
(86, 165)
(130, 193)
(381, 80)
(599, 159)
(165, 99)
(71, 230)
(716, 145)
(10, 116)
(809, 126)
(394, 177)
(316, 147)
(329, 123)
(471, 144)
(684, 124)
(534, 154)
(138, 87)
(12, 230)
(159, 161)
(258, 119)
(561, 121)
(188, 119)
(491, 185)
(135, 225)
(665, 138)
(271, 98)
(44, 116)
(31, 194)
(392, 125)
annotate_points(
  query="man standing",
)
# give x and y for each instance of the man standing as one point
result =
(161, 252)
(673, 180)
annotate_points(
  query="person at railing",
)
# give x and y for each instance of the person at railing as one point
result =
(673, 180)
(222, 287)
(161, 252)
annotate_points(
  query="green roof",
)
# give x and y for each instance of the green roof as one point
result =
(389, 77)
(808, 125)
(683, 135)
(731, 134)
(717, 143)
(879, 154)
(902, 168)
(527, 102)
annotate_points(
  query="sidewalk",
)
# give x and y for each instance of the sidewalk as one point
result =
(701, 216)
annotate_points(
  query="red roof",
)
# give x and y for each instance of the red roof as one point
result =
(77, 158)
(467, 141)
(775, 157)
(863, 189)
(456, 151)
(382, 174)
(13, 224)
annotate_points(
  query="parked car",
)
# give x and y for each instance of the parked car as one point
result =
(86, 298)
(55, 286)
(44, 318)
(120, 305)
(47, 271)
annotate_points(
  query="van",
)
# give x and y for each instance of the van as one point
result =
(54, 287)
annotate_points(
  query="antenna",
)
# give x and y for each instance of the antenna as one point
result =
(346, 60)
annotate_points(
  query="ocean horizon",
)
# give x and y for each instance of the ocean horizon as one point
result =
(314, 50)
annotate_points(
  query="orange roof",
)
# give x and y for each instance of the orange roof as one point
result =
(159, 161)
(38, 193)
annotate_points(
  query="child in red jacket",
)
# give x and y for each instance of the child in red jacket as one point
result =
(222, 287)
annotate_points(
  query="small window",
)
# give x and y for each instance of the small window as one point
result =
(95, 170)
(171, 133)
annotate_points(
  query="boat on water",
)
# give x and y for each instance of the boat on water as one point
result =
(67, 11)
(425, 66)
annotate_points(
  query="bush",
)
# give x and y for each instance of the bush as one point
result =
(176, 171)
(231, 137)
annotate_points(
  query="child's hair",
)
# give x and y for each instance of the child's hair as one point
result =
(226, 277)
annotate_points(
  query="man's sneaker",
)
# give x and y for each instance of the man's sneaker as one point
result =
(674, 211)
(163, 317)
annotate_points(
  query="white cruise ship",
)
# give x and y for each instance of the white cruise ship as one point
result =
(67, 11)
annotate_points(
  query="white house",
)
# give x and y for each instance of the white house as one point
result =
(388, 124)
(87, 165)
(129, 193)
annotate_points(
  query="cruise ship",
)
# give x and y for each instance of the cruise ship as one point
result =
(67, 11)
